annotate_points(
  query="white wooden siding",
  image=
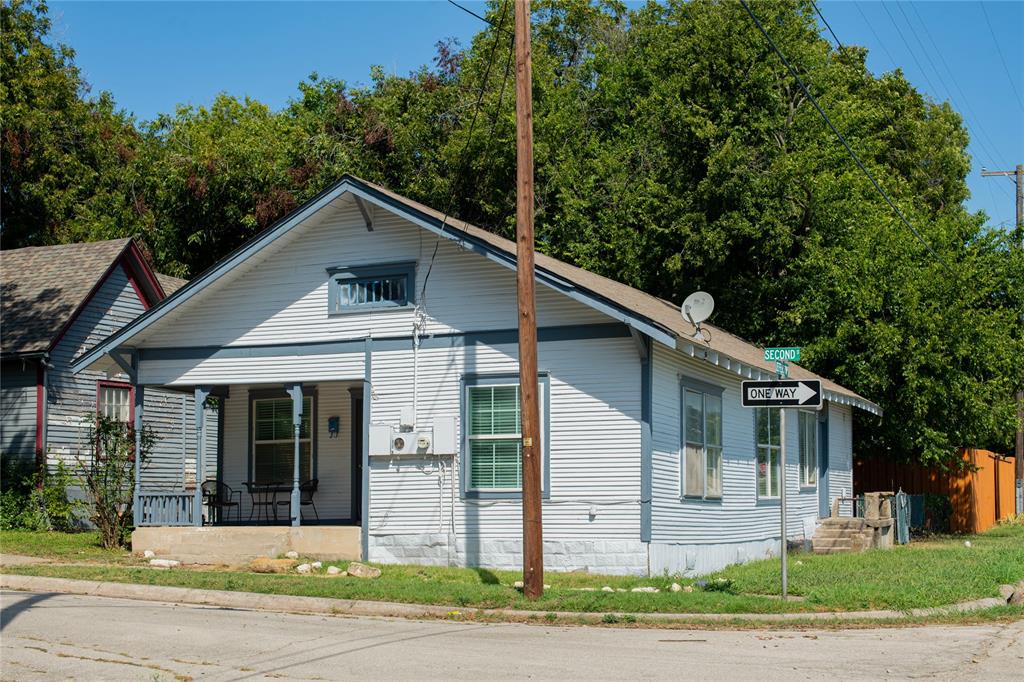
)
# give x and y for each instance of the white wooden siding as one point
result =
(285, 289)
(840, 453)
(594, 443)
(739, 516)
(18, 410)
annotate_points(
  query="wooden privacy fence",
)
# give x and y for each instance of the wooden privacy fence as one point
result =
(979, 495)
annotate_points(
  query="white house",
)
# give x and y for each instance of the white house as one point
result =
(393, 332)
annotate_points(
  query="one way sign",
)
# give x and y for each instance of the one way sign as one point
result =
(790, 393)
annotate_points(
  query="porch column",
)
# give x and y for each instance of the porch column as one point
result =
(139, 393)
(295, 391)
(201, 394)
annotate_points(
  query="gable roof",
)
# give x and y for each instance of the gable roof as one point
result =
(645, 313)
(44, 287)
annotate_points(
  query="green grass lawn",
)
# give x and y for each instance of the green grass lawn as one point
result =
(59, 546)
(926, 573)
(933, 573)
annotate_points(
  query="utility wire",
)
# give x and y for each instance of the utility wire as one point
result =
(842, 139)
(481, 18)
(1001, 57)
(983, 139)
(460, 165)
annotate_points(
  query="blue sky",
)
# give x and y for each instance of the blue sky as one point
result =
(153, 56)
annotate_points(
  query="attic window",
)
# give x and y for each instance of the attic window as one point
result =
(368, 287)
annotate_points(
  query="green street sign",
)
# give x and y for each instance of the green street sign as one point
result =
(791, 354)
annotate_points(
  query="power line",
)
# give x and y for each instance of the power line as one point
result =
(481, 18)
(1001, 57)
(460, 165)
(983, 139)
(842, 139)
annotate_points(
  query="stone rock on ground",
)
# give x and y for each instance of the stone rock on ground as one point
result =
(334, 570)
(1006, 591)
(606, 588)
(303, 568)
(676, 587)
(1018, 596)
(164, 563)
(292, 554)
(316, 565)
(647, 588)
(688, 588)
(359, 570)
(265, 564)
(149, 554)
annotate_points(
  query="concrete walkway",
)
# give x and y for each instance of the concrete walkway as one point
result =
(47, 636)
(355, 607)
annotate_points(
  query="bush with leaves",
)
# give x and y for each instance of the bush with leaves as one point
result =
(108, 478)
(34, 498)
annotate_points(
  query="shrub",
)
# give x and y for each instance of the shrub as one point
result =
(715, 585)
(108, 478)
(34, 498)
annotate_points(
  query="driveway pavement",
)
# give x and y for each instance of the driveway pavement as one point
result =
(51, 636)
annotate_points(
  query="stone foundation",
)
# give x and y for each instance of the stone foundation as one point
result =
(615, 557)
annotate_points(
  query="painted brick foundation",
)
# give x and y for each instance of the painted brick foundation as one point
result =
(614, 557)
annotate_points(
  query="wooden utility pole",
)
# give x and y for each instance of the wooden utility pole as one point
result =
(1017, 174)
(533, 552)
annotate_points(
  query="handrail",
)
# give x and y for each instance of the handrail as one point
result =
(166, 509)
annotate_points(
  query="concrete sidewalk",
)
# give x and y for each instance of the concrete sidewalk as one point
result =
(354, 607)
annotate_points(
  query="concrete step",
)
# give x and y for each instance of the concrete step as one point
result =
(832, 533)
(832, 544)
(843, 522)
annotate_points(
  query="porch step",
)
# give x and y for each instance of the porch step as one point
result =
(842, 534)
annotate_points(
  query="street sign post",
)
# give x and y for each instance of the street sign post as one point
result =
(782, 393)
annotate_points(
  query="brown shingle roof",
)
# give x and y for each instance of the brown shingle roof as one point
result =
(168, 283)
(43, 286)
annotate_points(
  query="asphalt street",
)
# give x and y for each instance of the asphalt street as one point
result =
(51, 636)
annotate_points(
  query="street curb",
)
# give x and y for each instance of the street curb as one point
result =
(355, 607)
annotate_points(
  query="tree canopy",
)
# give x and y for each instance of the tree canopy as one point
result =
(673, 152)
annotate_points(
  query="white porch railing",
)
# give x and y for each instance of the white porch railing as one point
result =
(166, 509)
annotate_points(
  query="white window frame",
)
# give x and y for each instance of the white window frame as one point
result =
(807, 424)
(772, 472)
(471, 382)
(706, 392)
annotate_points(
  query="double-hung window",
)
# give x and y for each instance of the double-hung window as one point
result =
(273, 440)
(702, 441)
(369, 287)
(114, 401)
(494, 438)
(768, 429)
(808, 448)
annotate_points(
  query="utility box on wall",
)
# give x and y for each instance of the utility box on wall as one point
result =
(387, 440)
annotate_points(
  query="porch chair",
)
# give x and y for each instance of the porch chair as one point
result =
(306, 491)
(219, 496)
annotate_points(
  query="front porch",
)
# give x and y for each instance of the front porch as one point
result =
(280, 469)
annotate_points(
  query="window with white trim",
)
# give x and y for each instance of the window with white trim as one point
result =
(493, 435)
(273, 440)
(702, 444)
(808, 448)
(768, 430)
(114, 401)
(366, 287)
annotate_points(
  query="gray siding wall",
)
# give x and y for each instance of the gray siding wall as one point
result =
(71, 408)
(18, 409)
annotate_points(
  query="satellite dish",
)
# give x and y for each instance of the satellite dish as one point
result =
(698, 307)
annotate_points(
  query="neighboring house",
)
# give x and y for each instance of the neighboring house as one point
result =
(58, 301)
(382, 321)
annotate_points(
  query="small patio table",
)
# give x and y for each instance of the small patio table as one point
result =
(264, 496)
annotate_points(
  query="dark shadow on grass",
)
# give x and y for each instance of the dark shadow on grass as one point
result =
(487, 576)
